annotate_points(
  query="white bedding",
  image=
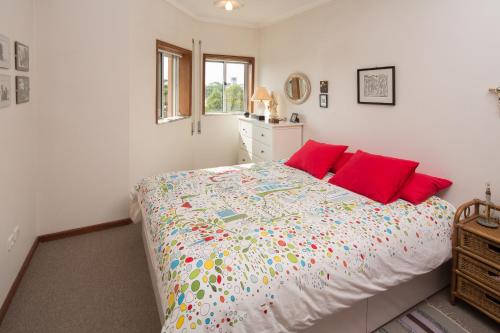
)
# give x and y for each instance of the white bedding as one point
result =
(267, 248)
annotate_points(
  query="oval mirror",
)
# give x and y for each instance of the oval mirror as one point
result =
(297, 88)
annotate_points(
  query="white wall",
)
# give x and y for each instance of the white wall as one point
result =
(446, 54)
(219, 143)
(83, 112)
(167, 147)
(18, 145)
(98, 134)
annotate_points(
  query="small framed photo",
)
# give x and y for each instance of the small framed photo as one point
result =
(294, 118)
(22, 57)
(5, 91)
(323, 87)
(377, 85)
(323, 100)
(4, 52)
(22, 89)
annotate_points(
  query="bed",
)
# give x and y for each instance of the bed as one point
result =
(268, 248)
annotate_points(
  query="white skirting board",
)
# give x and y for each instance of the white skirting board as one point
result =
(365, 316)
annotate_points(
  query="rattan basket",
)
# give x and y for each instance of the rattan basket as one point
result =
(484, 300)
(479, 271)
(480, 246)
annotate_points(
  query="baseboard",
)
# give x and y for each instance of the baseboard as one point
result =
(48, 238)
(84, 230)
(17, 281)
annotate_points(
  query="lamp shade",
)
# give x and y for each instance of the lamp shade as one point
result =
(261, 94)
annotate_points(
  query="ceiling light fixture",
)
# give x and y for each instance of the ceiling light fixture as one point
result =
(228, 5)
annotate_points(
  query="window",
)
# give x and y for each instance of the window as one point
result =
(173, 86)
(228, 84)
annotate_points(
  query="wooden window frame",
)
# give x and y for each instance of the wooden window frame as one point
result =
(185, 79)
(251, 77)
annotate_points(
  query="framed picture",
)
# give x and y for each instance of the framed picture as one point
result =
(323, 87)
(22, 89)
(294, 118)
(323, 100)
(377, 85)
(22, 57)
(4, 52)
(5, 91)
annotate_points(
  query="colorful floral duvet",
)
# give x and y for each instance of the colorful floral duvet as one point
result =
(267, 248)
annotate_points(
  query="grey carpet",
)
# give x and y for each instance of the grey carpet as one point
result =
(97, 282)
(100, 282)
(464, 314)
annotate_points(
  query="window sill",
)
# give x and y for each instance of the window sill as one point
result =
(170, 120)
(224, 114)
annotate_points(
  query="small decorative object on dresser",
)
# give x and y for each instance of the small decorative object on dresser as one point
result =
(22, 57)
(377, 85)
(262, 95)
(323, 100)
(4, 52)
(263, 141)
(476, 258)
(294, 118)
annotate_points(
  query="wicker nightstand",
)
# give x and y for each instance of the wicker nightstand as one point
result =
(476, 260)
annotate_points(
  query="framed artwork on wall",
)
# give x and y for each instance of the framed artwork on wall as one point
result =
(5, 91)
(377, 85)
(323, 87)
(4, 52)
(22, 57)
(323, 100)
(22, 89)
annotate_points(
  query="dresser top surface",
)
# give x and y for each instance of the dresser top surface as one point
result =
(476, 228)
(267, 124)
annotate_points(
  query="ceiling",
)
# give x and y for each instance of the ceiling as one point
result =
(254, 14)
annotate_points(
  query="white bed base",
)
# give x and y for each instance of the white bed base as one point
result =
(364, 316)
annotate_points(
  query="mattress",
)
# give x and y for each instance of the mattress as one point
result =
(265, 247)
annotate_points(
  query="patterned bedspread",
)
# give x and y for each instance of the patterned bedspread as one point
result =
(267, 248)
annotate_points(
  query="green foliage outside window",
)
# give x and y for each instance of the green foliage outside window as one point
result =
(165, 95)
(234, 98)
(213, 97)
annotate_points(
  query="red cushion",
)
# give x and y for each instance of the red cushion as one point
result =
(377, 177)
(421, 187)
(316, 158)
(341, 161)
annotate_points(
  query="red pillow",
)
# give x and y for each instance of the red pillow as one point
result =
(377, 177)
(316, 158)
(341, 162)
(421, 187)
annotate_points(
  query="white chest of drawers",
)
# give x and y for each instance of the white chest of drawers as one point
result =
(261, 141)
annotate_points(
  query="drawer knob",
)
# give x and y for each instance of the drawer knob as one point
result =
(493, 274)
(494, 248)
(492, 299)
(262, 135)
(262, 152)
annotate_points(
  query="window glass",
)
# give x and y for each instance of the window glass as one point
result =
(235, 87)
(214, 85)
(226, 86)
